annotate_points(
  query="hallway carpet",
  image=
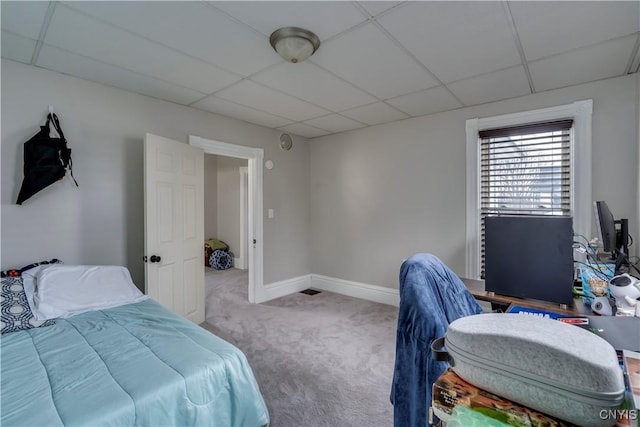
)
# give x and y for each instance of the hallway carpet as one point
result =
(322, 360)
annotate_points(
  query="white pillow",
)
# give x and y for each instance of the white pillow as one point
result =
(65, 290)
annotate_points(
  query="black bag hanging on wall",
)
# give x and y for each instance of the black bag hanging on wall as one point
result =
(46, 160)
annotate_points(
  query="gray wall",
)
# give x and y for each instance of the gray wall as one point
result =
(102, 221)
(229, 201)
(350, 206)
(210, 196)
(382, 193)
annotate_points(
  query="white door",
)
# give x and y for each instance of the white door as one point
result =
(174, 225)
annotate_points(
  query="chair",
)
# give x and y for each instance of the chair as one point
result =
(431, 297)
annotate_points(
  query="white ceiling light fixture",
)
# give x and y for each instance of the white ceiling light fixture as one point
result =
(294, 44)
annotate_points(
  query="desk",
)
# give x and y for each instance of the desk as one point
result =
(477, 289)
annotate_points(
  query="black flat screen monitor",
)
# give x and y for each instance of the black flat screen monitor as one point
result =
(530, 257)
(615, 240)
(606, 226)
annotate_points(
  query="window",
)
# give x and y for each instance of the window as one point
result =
(531, 163)
(525, 170)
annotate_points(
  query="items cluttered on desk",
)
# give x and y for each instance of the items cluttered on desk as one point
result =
(625, 289)
(599, 286)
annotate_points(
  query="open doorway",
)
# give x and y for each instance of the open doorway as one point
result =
(254, 157)
(225, 209)
(225, 230)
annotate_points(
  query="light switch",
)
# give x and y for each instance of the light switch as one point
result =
(270, 213)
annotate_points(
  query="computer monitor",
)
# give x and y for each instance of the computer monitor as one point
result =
(615, 240)
(530, 257)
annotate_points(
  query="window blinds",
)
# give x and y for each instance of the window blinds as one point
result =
(525, 170)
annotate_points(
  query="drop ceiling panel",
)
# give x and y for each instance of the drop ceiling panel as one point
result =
(197, 75)
(17, 48)
(269, 100)
(490, 87)
(376, 7)
(304, 130)
(368, 59)
(216, 55)
(86, 36)
(89, 69)
(426, 102)
(23, 18)
(324, 18)
(230, 109)
(597, 62)
(334, 123)
(455, 40)
(195, 28)
(306, 80)
(547, 28)
(375, 113)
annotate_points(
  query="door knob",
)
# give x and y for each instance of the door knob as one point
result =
(155, 258)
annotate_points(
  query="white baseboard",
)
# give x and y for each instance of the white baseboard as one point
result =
(237, 263)
(363, 291)
(286, 287)
(357, 290)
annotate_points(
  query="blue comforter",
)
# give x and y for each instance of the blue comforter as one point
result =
(138, 364)
(431, 297)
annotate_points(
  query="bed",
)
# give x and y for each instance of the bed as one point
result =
(132, 364)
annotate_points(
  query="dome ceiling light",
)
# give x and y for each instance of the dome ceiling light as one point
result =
(294, 44)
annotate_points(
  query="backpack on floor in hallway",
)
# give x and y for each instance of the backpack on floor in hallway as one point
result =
(220, 259)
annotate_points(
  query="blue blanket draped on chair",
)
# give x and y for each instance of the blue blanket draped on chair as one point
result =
(431, 297)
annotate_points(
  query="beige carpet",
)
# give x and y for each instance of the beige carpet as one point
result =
(321, 360)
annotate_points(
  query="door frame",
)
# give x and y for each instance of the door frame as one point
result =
(244, 225)
(255, 158)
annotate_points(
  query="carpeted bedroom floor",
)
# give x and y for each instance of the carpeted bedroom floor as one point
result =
(320, 360)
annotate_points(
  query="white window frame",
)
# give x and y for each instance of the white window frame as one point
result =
(581, 206)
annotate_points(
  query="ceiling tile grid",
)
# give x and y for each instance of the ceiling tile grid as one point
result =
(376, 113)
(369, 60)
(90, 69)
(374, 8)
(549, 28)
(263, 98)
(379, 61)
(455, 40)
(428, 101)
(324, 18)
(503, 84)
(304, 130)
(196, 28)
(24, 18)
(86, 36)
(307, 81)
(577, 66)
(17, 48)
(334, 123)
(231, 109)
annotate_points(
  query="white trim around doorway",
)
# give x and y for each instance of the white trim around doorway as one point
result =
(255, 158)
(241, 260)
